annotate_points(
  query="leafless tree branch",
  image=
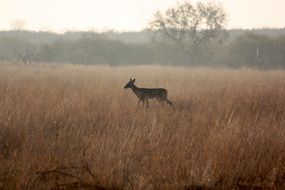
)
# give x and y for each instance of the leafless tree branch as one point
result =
(191, 27)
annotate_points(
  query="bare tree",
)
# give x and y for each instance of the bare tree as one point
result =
(18, 25)
(25, 55)
(191, 27)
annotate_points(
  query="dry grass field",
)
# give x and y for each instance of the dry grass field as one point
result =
(75, 127)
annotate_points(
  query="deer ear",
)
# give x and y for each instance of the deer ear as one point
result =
(134, 80)
(130, 79)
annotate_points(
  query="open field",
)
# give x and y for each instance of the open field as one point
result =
(75, 126)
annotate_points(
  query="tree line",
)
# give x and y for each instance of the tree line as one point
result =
(186, 34)
(240, 51)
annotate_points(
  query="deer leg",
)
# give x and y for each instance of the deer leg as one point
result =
(146, 101)
(167, 101)
(143, 101)
(159, 100)
(140, 100)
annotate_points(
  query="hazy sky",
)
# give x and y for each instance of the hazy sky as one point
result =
(62, 15)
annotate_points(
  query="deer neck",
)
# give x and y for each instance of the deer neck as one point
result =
(134, 89)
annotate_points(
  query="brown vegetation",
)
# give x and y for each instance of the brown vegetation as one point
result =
(64, 127)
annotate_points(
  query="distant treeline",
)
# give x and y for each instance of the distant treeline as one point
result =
(264, 48)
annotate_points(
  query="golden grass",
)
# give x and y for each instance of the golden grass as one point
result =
(226, 129)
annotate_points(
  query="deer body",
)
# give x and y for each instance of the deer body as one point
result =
(144, 94)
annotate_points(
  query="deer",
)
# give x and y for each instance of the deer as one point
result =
(144, 94)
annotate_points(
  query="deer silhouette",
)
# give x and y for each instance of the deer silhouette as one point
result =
(144, 94)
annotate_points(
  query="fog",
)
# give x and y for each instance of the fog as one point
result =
(125, 15)
(142, 94)
(122, 33)
(136, 48)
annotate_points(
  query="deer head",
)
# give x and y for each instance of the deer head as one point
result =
(130, 83)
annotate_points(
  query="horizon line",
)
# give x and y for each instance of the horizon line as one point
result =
(113, 30)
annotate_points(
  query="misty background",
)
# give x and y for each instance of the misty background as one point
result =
(33, 33)
(133, 48)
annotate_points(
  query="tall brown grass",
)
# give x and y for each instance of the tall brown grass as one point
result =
(75, 126)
